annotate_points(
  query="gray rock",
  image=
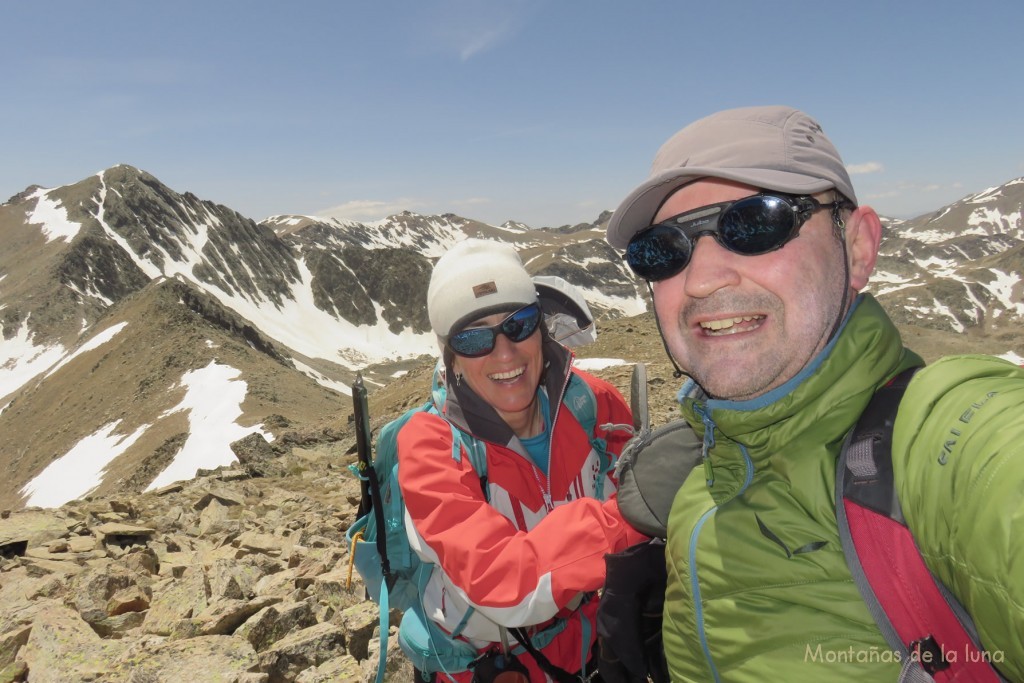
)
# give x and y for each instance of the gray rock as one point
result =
(107, 591)
(344, 668)
(257, 457)
(222, 494)
(11, 642)
(245, 581)
(301, 650)
(213, 659)
(225, 615)
(62, 647)
(176, 599)
(271, 624)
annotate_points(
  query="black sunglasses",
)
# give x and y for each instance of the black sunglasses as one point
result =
(750, 226)
(479, 341)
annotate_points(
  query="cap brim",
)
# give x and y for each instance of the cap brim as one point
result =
(637, 210)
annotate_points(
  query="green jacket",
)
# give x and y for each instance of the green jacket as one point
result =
(758, 586)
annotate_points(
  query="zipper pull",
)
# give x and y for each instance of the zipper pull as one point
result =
(709, 472)
(707, 445)
(545, 491)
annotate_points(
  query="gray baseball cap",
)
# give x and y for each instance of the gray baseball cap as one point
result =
(773, 148)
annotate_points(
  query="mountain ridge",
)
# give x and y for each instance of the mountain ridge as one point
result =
(175, 424)
(296, 305)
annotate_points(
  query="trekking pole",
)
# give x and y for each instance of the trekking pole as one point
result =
(505, 649)
(638, 399)
(361, 416)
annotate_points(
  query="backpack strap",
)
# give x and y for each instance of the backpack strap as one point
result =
(648, 484)
(556, 673)
(477, 453)
(476, 450)
(580, 400)
(919, 617)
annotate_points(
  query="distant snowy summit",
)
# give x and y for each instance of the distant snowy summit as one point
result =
(144, 328)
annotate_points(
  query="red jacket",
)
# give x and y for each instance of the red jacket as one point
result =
(516, 560)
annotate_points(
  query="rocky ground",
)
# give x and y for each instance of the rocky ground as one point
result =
(239, 575)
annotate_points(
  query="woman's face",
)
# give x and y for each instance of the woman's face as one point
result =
(507, 378)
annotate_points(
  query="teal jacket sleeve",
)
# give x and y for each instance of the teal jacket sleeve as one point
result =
(958, 459)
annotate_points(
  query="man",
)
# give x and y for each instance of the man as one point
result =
(749, 233)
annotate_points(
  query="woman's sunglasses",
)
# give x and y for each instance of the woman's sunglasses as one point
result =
(749, 226)
(479, 341)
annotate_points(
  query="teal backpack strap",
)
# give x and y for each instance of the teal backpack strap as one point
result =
(581, 402)
(579, 399)
(477, 452)
(384, 618)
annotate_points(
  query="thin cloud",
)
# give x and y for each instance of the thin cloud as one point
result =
(482, 42)
(865, 168)
(366, 210)
(369, 209)
(471, 28)
(471, 201)
(883, 195)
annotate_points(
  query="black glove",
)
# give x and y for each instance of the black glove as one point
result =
(629, 616)
(495, 666)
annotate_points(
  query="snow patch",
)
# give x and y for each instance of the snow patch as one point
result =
(80, 470)
(97, 341)
(590, 364)
(53, 217)
(21, 360)
(213, 401)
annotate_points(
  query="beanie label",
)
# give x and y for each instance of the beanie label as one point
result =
(485, 289)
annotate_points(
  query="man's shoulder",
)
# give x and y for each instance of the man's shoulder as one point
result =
(950, 386)
(951, 370)
(957, 378)
(953, 412)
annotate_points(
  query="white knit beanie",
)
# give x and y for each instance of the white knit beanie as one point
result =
(474, 279)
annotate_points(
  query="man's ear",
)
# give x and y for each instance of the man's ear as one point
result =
(863, 235)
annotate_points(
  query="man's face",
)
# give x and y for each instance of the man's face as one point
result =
(739, 325)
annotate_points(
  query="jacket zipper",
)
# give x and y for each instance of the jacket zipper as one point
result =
(546, 491)
(709, 442)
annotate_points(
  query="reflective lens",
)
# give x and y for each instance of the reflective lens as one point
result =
(479, 341)
(750, 226)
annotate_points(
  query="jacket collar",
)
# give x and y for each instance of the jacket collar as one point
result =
(830, 393)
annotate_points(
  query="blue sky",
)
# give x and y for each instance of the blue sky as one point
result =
(539, 111)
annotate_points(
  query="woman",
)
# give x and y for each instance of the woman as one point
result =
(524, 545)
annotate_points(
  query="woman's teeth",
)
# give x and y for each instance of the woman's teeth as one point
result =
(511, 374)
